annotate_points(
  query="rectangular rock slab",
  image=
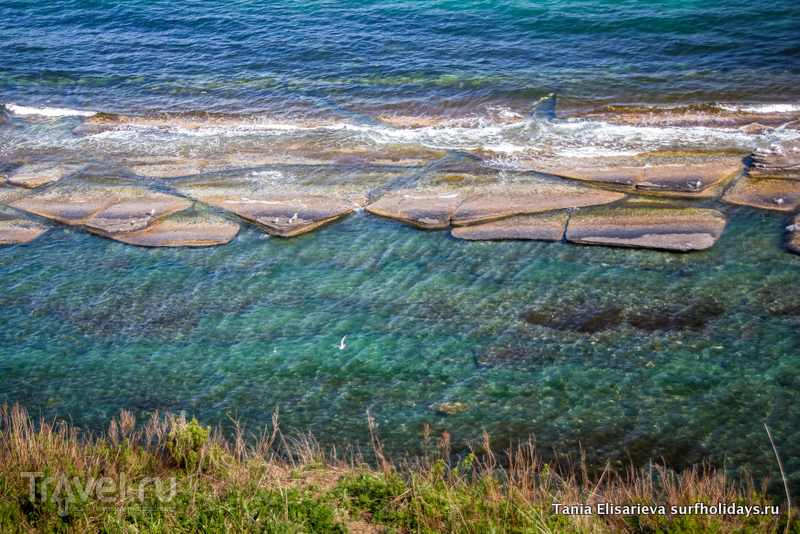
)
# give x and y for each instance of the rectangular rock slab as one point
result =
(779, 195)
(624, 176)
(15, 231)
(183, 232)
(71, 209)
(32, 176)
(543, 227)
(665, 229)
(136, 213)
(686, 178)
(488, 207)
(428, 212)
(286, 217)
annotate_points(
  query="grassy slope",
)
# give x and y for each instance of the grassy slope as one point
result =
(268, 484)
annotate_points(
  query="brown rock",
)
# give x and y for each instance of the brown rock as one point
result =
(492, 206)
(69, 207)
(686, 178)
(286, 217)
(667, 229)
(423, 211)
(624, 176)
(543, 227)
(14, 231)
(778, 161)
(136, 213)
(780, 195)
(33, 176)
(793, 238)
(449, 408)
(183, 232)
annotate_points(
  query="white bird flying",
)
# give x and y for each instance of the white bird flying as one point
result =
(341, 344)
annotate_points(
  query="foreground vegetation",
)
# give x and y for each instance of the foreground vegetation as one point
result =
(173, 475)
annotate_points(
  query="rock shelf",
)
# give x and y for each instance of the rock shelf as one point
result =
(778, 161)
(779, 195)
(286, 217)
(543, 227)
(136, 213)
(15, 231)
(33, 176)
(68, 206)
(196, 231)
(430, 212)
(667, 229)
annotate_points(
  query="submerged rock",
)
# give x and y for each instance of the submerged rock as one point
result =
(175, 170)
(423, 211)
(778, 161)
(195, 231)
(780, 195)
(449, 408)
(584, 321)
(15, 231)
(36, 175)
(543, 227)
(536, 199)
(286, 217)
(666, 229)
(136, 213)
(693, 317)
(793, 238)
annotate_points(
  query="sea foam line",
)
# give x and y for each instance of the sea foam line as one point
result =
(48, 111)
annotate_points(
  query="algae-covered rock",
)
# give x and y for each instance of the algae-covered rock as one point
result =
(14, 231)
(780, 195)
(542, 227)
(666, 229)
(449, 408)
(136, 213)
(36, 175)
(195, 231)
(418, 209)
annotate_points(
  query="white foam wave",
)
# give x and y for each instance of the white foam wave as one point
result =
(48, 111)
(762, 108)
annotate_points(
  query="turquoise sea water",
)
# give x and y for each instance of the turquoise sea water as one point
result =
(630, 354)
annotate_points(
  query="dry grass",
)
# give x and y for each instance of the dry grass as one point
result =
(269, 483)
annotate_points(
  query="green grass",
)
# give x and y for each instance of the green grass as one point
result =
(171, 475)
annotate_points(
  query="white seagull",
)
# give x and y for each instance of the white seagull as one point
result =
(276, 220)
(152, 212)
(341, 344)
(293, 218)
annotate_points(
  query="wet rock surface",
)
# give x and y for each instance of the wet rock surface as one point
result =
(536, 198)
(543, 227)
(286, 217)
(136, 213)
(686, 178)
(418, 209)
(666, 229)
(781, 160)
(14, 231)
(32, 176)
(780, 195)
(189, 231)
(74, 206)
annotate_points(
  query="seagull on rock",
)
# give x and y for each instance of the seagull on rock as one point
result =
(341, 343)
(293, 218)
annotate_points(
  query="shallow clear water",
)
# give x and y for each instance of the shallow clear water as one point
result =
(92, 326)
